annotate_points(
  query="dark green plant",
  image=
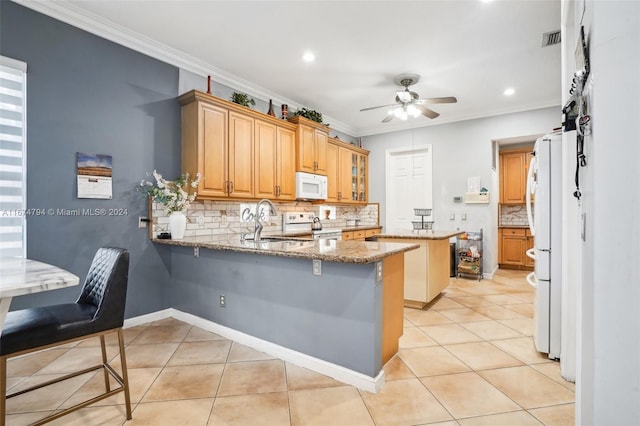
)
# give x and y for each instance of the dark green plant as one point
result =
(242, 99)
(310, 114)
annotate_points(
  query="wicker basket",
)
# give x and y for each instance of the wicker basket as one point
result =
(422, 225)
(422, 212)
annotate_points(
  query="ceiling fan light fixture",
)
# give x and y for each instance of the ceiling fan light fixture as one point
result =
(413, 111)
(404, 96)
(401, 114)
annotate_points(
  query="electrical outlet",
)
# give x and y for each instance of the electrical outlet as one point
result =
(223, 301)
(463, 216)
(200, 221)
(317, 267)
(142, 221)
(378, 271)
(196, 252)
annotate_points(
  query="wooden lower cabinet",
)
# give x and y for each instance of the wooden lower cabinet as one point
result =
(529, 262)
(512, 246)
(360, 235)
(371, 232)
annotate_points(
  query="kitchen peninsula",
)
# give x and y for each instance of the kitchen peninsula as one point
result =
(426, 270)
(337, 302)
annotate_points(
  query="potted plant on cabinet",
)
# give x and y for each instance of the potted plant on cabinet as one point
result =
(242, 99)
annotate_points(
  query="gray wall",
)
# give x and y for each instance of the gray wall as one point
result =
(91, 95)
(278, 299)
(460, 150)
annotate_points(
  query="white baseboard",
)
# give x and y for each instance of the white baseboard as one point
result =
(489, 275)
(144, 319)
(337, 372)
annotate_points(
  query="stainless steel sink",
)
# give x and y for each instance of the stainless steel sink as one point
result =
(277, 240)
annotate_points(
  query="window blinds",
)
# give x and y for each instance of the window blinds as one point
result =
(13, 200)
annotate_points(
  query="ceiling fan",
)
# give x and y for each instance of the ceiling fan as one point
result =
(408, 103)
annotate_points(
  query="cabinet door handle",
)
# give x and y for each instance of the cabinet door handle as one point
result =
(231, 187)
(226, 186)
(277, 190)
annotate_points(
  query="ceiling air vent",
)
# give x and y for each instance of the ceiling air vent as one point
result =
(551, 38)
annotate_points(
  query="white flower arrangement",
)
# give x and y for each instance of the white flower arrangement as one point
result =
(171, 194)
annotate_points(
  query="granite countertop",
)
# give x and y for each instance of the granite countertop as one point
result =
(327, 250)
(421, 235)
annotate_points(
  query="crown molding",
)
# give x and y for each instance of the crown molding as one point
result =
(64, 11)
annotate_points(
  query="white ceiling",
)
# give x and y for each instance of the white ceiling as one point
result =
(469, 49)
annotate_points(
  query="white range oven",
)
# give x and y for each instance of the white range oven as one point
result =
(302, 221)
(327, 234)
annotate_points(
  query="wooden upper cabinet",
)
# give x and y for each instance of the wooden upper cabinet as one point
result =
(321, 143)
(241, 161)
(240, 153)
(286, 164)
(275, 162)
(311, 146)
(346, 172)
(513, 176)
(344, 175)
(265, 160)
(333, 160)
(204, 147)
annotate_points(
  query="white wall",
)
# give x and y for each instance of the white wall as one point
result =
(460, 150)
(608, 382)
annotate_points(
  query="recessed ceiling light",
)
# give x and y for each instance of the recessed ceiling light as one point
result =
(308, 57)
(510, 91)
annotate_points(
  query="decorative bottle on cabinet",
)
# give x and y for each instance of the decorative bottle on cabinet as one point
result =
(271, 112)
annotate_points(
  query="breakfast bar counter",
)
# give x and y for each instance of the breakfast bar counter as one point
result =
(291, 246)
(337, 305)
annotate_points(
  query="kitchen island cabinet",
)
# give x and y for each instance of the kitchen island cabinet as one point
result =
(426, 270)
(348, 312)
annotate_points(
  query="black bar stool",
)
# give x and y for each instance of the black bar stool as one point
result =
(98, 311)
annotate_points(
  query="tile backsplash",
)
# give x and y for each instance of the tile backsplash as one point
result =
(225, 217)
(513, 215)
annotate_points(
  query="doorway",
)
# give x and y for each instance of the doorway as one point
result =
(409, 183)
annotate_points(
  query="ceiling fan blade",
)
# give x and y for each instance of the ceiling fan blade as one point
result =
(445, 100)
(404, 96)
(376, 107)
(427, 112)
(389, 117)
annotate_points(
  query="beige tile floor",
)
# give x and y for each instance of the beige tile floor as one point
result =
(466, 359)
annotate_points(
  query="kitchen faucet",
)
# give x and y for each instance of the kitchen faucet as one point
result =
(256, 216)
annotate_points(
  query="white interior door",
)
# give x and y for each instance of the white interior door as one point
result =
(408, 186)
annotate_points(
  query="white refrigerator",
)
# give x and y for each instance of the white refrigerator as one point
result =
(544, 181)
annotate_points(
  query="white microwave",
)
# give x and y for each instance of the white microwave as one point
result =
(310, 186)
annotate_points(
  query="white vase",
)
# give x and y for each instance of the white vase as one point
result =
(177, 225)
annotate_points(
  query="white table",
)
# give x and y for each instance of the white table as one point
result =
(25, 276)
